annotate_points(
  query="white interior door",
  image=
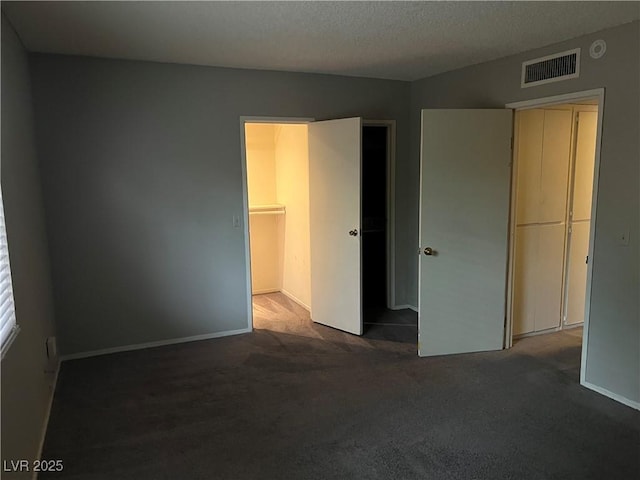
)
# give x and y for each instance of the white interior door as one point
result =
(464, 214)
(334, 220)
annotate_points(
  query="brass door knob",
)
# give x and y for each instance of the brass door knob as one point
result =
(428, 251)
(354, 232)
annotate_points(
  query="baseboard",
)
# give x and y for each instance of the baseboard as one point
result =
(296, 299)
(161, 343)
(539, 332)
(548, 330)
(45, 424)
(573, 325)
(404, 307)
(611, 395)
(265, 291)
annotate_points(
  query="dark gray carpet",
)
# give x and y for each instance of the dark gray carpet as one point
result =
(302, 401)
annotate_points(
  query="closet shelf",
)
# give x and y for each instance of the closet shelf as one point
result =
(275, 209)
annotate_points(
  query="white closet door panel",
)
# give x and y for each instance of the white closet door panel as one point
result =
(550, 267)
(577, 273)
(585, 158)
(556, 150)
(524, 300)
(529, 145)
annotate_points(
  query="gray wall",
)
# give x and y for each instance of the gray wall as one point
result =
(614, 339)
(26, 389)
(142, 176)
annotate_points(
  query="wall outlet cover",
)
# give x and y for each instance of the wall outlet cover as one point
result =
(52, 347)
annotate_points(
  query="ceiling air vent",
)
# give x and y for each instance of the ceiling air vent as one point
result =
(552, 68)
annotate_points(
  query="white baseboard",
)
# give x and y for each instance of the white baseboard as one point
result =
(572, 325)
(535, 334)
(161, 343)
(611, 395)
(296, 299)
(45, 424)
(404, 307)
(548, 330)
(265, 291)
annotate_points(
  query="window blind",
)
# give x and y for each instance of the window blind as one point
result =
(8, 327)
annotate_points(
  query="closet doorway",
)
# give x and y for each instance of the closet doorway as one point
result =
(278, 215)
(280, 219)
(551, 223)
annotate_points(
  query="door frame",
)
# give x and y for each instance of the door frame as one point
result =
(390, 200)
(245, 196)
(390, 206)
(599, 95)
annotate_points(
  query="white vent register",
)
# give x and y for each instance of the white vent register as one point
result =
(552, 68)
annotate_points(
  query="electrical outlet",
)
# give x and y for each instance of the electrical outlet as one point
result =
(52, 348)
(51, 365)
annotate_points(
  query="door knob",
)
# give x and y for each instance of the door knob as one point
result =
(354, 232)
(428, 251)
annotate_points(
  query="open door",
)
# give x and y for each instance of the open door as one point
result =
(464, 216)
(334, 220)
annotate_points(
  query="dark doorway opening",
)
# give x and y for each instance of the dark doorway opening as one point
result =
(375, 150)
(380, 323)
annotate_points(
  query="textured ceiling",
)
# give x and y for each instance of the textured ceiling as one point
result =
(396, 40)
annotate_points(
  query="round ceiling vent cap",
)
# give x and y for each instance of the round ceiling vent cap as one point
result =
(598, 49)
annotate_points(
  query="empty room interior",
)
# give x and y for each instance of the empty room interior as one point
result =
(320, 240)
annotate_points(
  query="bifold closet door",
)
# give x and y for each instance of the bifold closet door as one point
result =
(577, 273)
(544, 145)
(580, 218)
(538, 270)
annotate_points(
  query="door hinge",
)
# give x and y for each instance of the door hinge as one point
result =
(511, 143)
(586, 260)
